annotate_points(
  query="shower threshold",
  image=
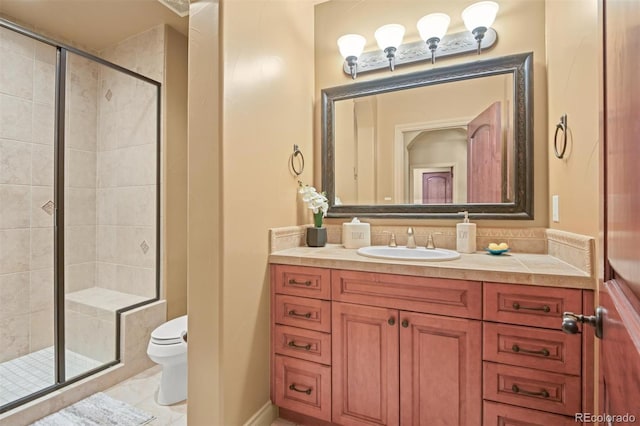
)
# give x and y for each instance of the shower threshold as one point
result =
(32, 372)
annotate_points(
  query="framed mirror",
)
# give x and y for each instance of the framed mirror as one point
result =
(432, 143)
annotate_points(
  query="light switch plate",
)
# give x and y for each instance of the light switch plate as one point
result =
(555, 201)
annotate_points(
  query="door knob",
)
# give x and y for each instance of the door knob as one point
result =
(570, 321)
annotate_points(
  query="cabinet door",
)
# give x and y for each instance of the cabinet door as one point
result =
(440, 370)
(365, 365)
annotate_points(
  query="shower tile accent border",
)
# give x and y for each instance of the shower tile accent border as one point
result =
(574, 249)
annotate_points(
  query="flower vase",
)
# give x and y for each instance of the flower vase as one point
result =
(317, 235)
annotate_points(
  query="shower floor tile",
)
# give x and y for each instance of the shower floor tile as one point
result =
(27, 374)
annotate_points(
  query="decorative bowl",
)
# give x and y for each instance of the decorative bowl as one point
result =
(497, 252)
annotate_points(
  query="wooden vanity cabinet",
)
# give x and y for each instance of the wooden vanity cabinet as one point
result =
(301, 340)
(534, 373)
(387, 341)
(361, 348)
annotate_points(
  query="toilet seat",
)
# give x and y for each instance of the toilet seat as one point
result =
(171, 332)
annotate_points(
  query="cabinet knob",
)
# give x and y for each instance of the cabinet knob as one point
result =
(392, 321)
(405, 323)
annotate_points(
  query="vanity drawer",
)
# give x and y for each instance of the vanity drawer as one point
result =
(312, 314)
(304, 344)
(556, 393)
(455, 298)
(302, 281)
(547, 350)
(303, 386)
(508, 415)
(529, 305)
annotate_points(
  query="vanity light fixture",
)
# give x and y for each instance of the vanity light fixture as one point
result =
(432, 28)
(479, 17)
(351, 46)
(389, 38)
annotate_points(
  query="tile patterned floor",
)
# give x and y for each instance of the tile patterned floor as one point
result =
(140, 391)
(27, 374)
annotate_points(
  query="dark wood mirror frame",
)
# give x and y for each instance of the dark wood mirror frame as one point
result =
(519, 65)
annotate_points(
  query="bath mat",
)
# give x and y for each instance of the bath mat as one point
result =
(97, 410)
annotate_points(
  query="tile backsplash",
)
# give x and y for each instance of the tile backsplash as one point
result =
(577, 250)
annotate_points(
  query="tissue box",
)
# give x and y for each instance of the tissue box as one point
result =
(356, 235)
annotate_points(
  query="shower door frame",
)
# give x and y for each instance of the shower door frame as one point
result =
(59, 192)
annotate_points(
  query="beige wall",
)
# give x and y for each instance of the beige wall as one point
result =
(204, 226)
(572, 67)
(174, 179)
(268, 98)
(520, 28)
(239, 186)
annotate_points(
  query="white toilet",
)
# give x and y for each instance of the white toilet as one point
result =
(168, 347)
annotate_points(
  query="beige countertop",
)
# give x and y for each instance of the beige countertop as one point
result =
(515, 268)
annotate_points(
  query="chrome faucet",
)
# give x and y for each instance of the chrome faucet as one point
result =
(392, 240)
(411, 240)
(430, 244)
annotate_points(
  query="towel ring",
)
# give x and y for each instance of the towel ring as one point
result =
(297, 153)
(562, 125)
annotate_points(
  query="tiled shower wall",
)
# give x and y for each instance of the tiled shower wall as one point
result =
(127, 149)
(27, 91)
(80, 173)
(110, 181)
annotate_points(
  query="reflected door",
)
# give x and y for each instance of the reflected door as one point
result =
(436, 188)
(484, 157)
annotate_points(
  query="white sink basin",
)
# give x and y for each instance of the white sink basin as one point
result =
(404, 253)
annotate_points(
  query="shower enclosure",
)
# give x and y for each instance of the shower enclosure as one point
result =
(79, 210)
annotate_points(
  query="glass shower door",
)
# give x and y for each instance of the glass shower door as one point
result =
(27, 210)
(110, 195)
(79, 210)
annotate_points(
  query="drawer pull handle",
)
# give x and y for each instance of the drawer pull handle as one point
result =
(544, 308)
(543, 393)
(543, 351)
(293, 313)
(405, 323)
(391, 321)
(306, 347)
(294, 388)
(294, 282)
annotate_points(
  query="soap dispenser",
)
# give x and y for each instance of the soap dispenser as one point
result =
(465, 235)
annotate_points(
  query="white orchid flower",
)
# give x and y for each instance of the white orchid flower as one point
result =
(317, 202)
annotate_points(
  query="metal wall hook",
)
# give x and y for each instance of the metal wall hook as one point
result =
(297, 153)
(562, 125)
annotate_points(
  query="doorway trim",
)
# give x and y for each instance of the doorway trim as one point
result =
(401, 160)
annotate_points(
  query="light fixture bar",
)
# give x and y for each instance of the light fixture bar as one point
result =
(451, 44)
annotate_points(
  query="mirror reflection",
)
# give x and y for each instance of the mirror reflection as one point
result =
(450, 143)
(432, 143)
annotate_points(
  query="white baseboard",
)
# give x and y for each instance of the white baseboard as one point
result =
(264, 416)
